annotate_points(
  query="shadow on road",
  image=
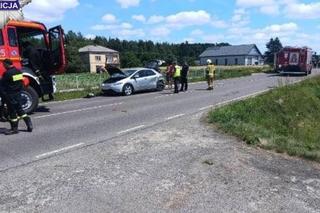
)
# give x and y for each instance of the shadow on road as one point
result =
(2, 131)
(42, 109)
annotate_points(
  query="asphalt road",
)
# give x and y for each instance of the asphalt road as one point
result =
(66, 126)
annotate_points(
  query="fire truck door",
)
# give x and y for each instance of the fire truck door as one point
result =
(56, 45)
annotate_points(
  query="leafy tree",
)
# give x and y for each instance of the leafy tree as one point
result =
(273, 46)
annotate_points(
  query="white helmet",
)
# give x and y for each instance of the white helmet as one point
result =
(209, 61)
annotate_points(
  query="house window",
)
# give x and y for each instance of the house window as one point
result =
(236, 61)
(98, 58)
(226, 61)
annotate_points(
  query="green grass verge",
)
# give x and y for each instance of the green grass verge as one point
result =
(286, 120)
(75, 94)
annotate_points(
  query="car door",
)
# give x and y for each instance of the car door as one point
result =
(139, 81)
(151, 79)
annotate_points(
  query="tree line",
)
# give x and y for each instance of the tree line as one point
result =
(137, 53)
(133, 53)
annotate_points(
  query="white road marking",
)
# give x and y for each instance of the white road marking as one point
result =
(176, 116)
(207, 107)
(78, 110)
(59, 150)
(131, 129)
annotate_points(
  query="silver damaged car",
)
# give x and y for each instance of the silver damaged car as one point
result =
(129, 81)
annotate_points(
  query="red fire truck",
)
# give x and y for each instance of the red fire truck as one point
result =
(50, 45)
(294, 60)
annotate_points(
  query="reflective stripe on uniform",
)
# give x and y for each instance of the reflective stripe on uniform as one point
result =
(14, 120)
(18, 77)
(24, 116)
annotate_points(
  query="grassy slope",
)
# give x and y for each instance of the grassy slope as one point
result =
(285, 120)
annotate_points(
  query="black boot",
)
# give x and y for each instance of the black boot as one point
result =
(28, 122)
(14, 129)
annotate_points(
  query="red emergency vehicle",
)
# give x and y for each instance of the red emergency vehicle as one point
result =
(292, 60)
(49, 43)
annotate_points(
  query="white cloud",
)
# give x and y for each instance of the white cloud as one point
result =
(90, 36)
(254, 3)
(270, 9)
(109, 18)
(140, 18)
(48, 10)
(189, 18)
(155, 19)
(303, 11)
(128, 3)
(240, 18)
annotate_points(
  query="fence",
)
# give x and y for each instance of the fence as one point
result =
(73, 82)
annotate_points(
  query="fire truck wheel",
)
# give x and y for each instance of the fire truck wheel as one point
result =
(30, 100)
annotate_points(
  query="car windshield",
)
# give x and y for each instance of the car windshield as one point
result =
(129, 72)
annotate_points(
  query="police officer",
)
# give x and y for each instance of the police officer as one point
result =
(176, 77)
(12, 83)
(210, 71)
(184, 77)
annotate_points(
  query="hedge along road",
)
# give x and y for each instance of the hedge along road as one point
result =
(66, 126)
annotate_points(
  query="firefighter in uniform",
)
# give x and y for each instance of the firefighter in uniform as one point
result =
(12, 83)
(210, 71)
(176, 77)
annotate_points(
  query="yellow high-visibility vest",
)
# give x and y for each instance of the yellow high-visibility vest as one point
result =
(177, 73)
(211, 70)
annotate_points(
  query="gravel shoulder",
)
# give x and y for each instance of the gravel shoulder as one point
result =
(182, 165)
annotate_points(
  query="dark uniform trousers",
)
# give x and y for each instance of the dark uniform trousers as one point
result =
(184, 83)
(15, 107)
(176, 84)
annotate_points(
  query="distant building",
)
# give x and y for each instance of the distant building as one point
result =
(96, 57)
(242, 55)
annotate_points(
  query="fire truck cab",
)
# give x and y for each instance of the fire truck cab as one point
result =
(49, 44)
(294, 60)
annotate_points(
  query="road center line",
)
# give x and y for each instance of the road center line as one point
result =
(78, 110)
(176, 116)
(131, 129)
(59, 150)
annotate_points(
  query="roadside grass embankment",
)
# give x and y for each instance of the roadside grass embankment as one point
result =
(286, 120)
(74, 86)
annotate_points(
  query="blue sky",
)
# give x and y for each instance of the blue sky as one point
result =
(295, 22)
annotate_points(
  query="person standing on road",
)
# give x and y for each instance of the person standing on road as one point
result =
(184, 77)
(12, 83)
(169, 74)
(210, 72)
(176, 77)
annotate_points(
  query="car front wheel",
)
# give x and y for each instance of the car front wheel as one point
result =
(127, 90)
